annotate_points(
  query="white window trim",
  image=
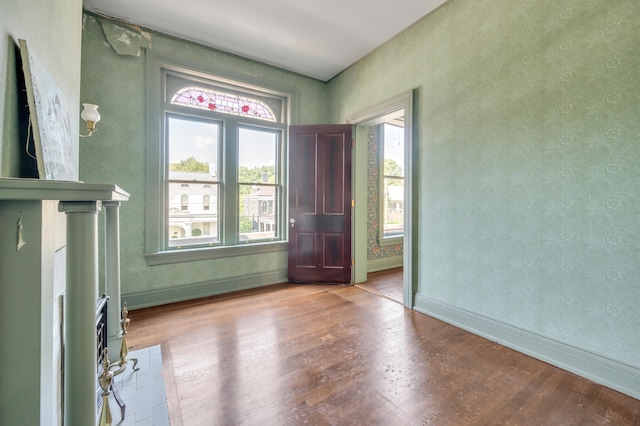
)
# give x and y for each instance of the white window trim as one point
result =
(155, 253)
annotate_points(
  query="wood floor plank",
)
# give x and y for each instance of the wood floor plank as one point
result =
(387, 283)
(322, 354)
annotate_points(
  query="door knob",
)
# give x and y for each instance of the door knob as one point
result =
(292, 222)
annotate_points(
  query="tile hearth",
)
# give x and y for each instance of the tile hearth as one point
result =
(143, 391)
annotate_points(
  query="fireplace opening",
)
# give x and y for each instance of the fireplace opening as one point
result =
(101, 330)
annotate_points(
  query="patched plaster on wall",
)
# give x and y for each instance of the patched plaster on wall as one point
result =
(126, 41)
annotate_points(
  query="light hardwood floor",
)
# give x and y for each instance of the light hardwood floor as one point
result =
(338, 355)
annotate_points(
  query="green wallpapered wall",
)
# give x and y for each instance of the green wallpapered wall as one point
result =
(116, 152)
(528, 131)
(53, 36)
(527, 122)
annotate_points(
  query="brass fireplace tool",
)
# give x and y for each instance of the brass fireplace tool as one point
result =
(121, 364)
(105, 380)
(110, 370)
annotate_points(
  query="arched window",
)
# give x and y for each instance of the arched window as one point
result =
(226, 103)
(224, 139)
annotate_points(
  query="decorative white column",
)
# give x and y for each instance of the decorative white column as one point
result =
(112, 276)
(81, 203)
(80, 376)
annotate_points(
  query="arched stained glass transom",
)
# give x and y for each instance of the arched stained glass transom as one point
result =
(226, 103)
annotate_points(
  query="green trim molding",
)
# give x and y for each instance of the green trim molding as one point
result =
(155, 297)
(381, 264)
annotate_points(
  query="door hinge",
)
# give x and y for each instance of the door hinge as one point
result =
(353, 262)
(353, 203)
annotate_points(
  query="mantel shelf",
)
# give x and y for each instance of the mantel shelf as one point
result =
(36, 189)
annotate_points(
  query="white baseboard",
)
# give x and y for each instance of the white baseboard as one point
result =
(608, 372)
(384, 263)
(202, 289)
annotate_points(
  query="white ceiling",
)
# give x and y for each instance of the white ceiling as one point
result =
(317, 38)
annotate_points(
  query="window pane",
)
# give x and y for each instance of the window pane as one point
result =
(193, 183)
(193, 146)
(257, 155)
(258, 212)
(393, 150)
(393, 207)
(392, 181)
(193, 214)
(258, 188)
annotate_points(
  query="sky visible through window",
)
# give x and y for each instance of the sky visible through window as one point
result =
(394, 144)
(257, 148)
(191, 138)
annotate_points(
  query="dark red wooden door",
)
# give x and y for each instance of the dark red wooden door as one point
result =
(320, 203)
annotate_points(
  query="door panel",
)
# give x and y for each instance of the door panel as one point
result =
(320, 204)
(334, 148)
(333, 244)
(306, 242)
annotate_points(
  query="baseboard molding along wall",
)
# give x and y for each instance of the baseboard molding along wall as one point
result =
(376, 265)
(202, 289)
(608, 372)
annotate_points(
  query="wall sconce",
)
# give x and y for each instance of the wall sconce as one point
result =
(91, 116)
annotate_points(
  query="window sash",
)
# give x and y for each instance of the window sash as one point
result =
(228, 221)
(159, 70)
(265, 223)
(229, 217)
(183, 222)
(392, 222)
(391, 212)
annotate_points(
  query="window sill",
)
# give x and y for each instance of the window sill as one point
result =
(391, 241)
(208, 253)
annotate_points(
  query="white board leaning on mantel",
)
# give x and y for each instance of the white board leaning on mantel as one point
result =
(56, 154)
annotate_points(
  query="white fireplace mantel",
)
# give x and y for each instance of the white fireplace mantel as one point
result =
(36, 189)
(81, 202)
